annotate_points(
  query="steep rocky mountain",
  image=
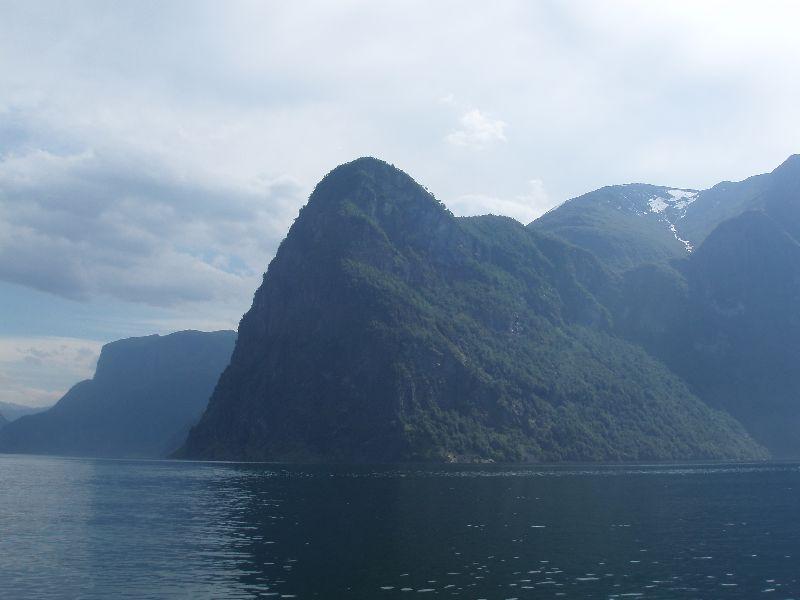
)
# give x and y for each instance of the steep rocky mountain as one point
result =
(387, 329)
(143, 398)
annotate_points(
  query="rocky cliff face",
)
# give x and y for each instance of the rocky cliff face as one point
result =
(386, 329)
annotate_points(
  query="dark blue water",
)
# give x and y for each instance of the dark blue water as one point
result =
(130, 529)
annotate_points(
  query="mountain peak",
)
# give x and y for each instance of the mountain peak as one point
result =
(369, 183)
(369, 194)
(361, 171)
(790, 164)
(366, 163)
(787, 175)
(129, 358)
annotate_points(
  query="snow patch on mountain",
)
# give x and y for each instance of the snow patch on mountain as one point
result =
(657, 204)
(675, 199)
(683, 198)
(687, 244)
(671, 207)
(690, 195)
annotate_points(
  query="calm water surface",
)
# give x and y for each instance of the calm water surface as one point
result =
(72, 528)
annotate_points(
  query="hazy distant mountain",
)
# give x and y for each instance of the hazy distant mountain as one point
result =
(725, 317)
(3, 421)
(13, 411)
(728, 321)
(776, 193)
(625, 225)
(387, 329)
(145, 395)
(630, 225)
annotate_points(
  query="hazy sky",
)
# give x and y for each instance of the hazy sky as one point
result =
(153, 154)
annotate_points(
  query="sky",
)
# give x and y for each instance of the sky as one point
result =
(154, 154)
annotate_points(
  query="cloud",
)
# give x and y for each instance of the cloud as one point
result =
(14, 393)
(155, 153)
(37, 371)
(524, 207)
(478, 131)
(100, 223)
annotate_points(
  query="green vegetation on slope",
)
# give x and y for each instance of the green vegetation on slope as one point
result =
(724, 318)
(728, 324)
(615, 224)
(386, 329)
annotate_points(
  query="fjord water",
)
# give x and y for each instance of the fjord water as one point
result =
(74, 528)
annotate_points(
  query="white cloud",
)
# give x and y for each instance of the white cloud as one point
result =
(478, 131)
(123, 226)
(165, 167)
(524, 207)
(37, 371)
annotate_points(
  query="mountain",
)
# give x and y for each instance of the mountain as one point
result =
(12, 411)
(625, 225)
(145, 394)
(3, 421)
(726, 320)
(723, 317)
(775, 193)
(386, 329)
(630, 225)
(745, 284)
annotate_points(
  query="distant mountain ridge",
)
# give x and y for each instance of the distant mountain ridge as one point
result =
(636, 322)
(634, 224)
(145, 395)
(625, 225)
(12, 411)
(725, 317)
(387, 329)
(727, 321)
